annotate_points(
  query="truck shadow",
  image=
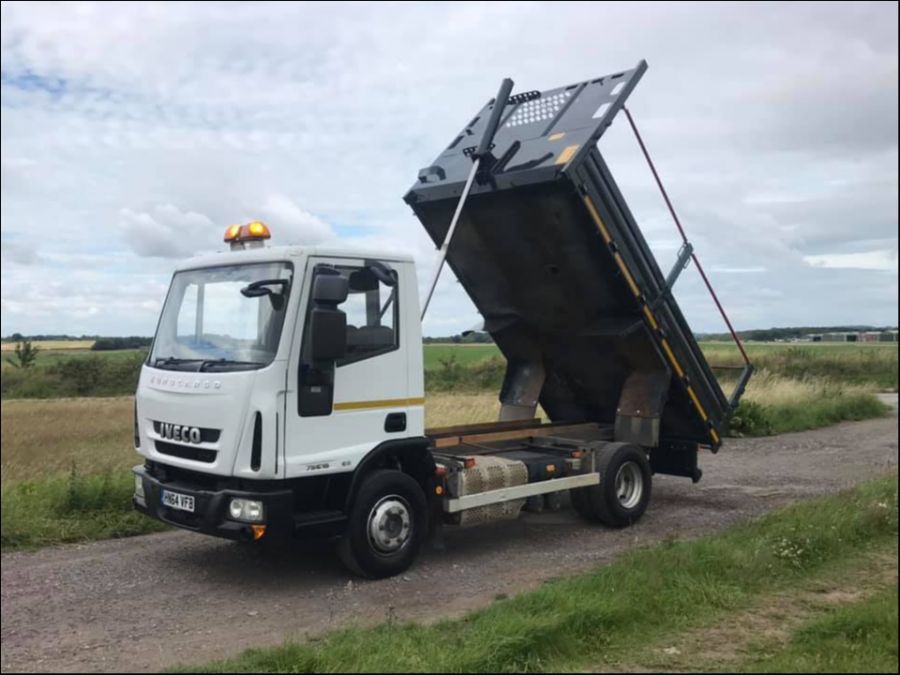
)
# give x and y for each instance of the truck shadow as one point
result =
(253, 566)
(314, 564)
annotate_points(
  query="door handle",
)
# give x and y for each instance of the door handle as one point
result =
(395, 422)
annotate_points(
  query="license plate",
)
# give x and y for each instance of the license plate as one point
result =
(174, 500)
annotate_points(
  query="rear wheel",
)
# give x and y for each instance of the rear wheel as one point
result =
(624, 490)
(386, 527)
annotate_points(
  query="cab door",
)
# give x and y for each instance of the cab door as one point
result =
(336, 412)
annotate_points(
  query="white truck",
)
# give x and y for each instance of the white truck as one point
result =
(283, 393)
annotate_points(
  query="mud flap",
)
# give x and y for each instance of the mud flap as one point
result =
(640, 407)
(676, 458)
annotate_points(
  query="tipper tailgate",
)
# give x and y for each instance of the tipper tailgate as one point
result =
(553, 259)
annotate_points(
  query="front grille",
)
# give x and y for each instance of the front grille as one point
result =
(206, 435)
(186, 452)
(183, 518)
(195, 480)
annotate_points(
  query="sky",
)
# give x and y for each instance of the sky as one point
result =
(133, 134)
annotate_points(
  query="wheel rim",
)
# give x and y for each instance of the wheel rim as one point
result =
(389, 524)
(629, 485)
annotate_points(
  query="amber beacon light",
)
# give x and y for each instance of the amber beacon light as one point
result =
(238, 235)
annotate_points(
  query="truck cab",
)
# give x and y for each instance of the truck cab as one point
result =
(275, 372)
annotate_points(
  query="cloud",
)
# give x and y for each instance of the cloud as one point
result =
(293, 224)
(133, 134)
(18, 253)
(739, 270)
(870, 260)
(167, 232)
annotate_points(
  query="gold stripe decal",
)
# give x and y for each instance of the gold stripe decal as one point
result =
(668, 350)
(567, 154)
(625, 273)
(596, 216)
(384, 403)
(696, 401)
(608, 239)
(651, 319)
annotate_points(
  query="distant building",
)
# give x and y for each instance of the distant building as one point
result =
(853, 336)
(840, 337)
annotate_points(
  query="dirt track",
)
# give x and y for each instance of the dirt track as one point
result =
(147, 603)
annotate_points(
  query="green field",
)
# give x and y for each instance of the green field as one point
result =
(464, 354)
(858, 363)
(49, 357)
(67, 447)
(811, 588)
(66, 373)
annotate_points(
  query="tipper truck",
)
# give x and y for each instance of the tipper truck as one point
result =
(283, 394)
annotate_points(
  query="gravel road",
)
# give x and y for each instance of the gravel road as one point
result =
(147, 603)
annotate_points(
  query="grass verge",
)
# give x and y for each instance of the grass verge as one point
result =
(774, 404)
(855, 638)
(598, 617)
(70, 509)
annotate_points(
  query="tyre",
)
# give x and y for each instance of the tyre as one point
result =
(387, 525)
(624, 490)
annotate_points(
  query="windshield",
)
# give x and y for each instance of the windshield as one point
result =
(222, 318)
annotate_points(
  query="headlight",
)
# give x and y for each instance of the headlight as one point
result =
(247, 510)
(138, 487)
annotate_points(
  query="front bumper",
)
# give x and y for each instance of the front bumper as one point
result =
(210, 514)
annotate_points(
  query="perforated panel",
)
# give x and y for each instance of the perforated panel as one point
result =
(489, 473)
(531, 126)
(539, 110)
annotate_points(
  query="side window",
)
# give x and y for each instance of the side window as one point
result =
(372, 314)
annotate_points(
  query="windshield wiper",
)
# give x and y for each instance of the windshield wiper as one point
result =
(164, 361)
(210, 363)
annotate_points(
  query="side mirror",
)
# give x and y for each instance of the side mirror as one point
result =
(328, 334)
(330, 289)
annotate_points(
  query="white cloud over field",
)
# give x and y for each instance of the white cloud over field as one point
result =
(133, 134)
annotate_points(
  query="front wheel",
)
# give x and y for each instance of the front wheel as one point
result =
(386, 527)
(624, 490)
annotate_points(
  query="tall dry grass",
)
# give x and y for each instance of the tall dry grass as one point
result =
(771, 389)
(874, 365)
(43, 438)
(51, 344)
(775, 404)
(443, 410)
